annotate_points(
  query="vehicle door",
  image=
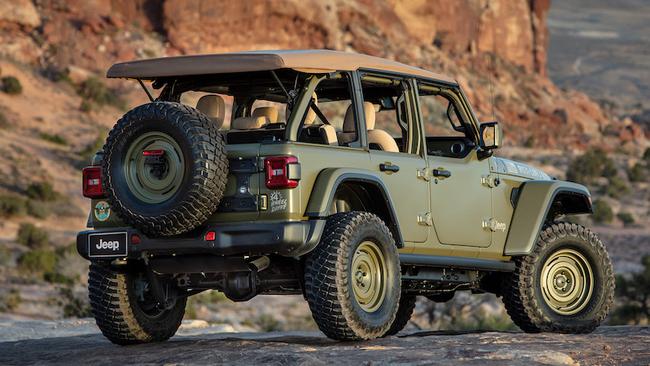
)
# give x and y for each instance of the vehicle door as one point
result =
(461, 203)
(396, 151)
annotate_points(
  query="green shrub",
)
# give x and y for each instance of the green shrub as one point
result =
(632, 292)
(646, 155)
(86, 106)
(38, 209)
(74, 306)
(602, 212)
(4, 122)
(42, 191)
(56, 277)
(57, 139)
(32, 236)
(10, 301)
(626, 218)
(94, 90)
(617, 187)
(592, 164)
(11, 85)
(91, 149)
(637, 173)
(37, 261)
(11, 206)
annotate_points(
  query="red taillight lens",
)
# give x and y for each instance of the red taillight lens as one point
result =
(210, 236)
(282, 172)
(92, 182)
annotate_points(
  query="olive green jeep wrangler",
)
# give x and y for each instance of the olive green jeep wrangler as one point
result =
(355, 181)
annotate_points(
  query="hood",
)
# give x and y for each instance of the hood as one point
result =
(510, 167)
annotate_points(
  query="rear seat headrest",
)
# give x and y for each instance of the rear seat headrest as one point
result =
(368, 110)
(271, 113)
(214, 107)
(248, 123)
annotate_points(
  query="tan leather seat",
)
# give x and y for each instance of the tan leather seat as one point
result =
(214, 107)
(248, 123)
(377, 137)
(271, 113)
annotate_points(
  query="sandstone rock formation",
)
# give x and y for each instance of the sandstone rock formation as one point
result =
(79, 342)
(495, 48)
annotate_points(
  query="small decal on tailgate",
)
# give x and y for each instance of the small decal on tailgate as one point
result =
(278, 202)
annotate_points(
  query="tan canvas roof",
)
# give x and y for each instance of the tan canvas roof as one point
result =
(303, 60)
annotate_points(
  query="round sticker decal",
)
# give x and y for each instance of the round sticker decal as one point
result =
(102, 211)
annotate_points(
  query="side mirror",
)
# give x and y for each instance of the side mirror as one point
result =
(490, 135)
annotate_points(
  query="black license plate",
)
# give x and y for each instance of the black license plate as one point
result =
(107, 245)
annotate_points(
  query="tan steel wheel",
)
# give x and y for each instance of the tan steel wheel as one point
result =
(369, 277)
(567, 281)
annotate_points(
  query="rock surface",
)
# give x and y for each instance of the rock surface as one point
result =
(78, 342)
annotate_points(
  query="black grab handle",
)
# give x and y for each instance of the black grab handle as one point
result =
(388, 168)
(441, 173)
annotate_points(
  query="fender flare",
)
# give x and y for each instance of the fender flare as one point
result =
(326, 184)
(537, 199)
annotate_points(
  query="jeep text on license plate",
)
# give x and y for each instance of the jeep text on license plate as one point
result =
(107, 244)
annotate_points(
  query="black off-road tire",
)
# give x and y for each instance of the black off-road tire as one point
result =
(404, 314)
(522, 293)
(204, 173)
(328, 278)
(114, 305)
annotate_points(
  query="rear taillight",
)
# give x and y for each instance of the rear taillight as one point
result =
(92, 182)
(282, 172)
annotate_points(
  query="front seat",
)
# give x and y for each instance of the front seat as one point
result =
(214, 107)
(376, 137)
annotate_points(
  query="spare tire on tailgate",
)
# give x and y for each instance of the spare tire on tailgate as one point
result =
(165, 168)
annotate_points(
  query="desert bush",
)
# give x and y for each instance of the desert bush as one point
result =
(617, 187)
(95, 91)
(11, 205)
(73, 306)
(267, 323)
(38, 209)
(637, 173)
(592, 164)
(32, 236)
(4, 122)
(10, 301)
(602, 212)
(626, 218)
(91, 149)
(57, 277)
(42, 191)
(633, 293)
(86, 106)
(56, 139)
(646, 155)
(11, 85)
(37, 261)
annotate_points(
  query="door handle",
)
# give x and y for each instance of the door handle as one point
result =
(387, 167)
(441, 173)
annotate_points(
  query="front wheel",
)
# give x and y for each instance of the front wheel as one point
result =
(125, 310)
(565, 285)
(352, 279)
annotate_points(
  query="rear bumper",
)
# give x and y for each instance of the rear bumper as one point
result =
(291, 239)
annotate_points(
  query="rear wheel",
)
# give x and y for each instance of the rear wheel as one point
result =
(125, 309)
(565, 285)
(352, 279)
